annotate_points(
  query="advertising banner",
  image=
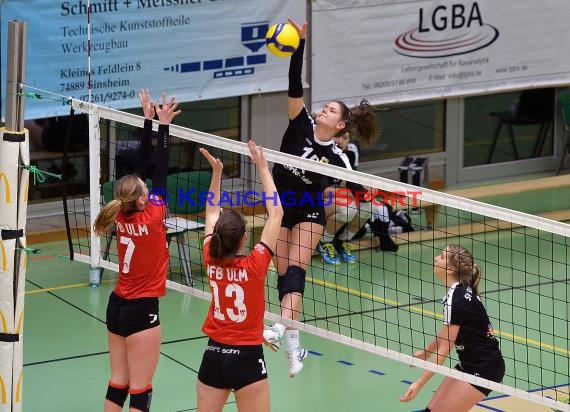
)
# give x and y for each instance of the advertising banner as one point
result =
(404, 50)
(193, 49)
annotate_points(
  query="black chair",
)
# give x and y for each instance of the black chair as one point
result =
(534, 107)
(565, 107)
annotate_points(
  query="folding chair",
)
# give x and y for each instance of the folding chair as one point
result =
(535, 106)
(187, 192)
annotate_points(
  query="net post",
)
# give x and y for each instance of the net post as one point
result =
(94, 195)
(15, 75)
(13, 147)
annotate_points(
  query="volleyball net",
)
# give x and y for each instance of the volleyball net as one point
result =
(388, 302)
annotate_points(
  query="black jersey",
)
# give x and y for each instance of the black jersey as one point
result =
(299, 140)
(475, 344)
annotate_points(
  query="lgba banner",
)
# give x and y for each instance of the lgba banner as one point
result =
(403, 50)
(193, 49)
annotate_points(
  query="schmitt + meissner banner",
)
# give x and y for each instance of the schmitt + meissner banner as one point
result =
(193, 49)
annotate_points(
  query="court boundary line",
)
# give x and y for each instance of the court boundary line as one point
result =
(390, 354)
(435, 315)
(390, 303)
(387, 353)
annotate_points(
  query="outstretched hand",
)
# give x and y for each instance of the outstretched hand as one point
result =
(302, 30)
(216, 163)
(411, 393)
(146, 103)
(167, 110)
(257, 155)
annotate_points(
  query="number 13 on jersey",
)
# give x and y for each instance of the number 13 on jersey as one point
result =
(237, 313)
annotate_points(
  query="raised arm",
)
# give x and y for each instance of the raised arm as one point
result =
(295, 102)
(166, 111)
(213, 203)
(144, 150)
(273, 203)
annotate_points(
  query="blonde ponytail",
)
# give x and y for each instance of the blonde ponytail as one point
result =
(107, 216)
(127, 191)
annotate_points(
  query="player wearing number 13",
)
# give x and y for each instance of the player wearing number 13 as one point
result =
(233, 359)
(133, 325)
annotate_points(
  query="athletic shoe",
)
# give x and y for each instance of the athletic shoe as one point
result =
(296, 359)
(328, 253)
(272, 338)
(345, 251)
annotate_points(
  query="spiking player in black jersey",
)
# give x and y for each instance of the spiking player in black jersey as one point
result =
(303, 221)
(467, 327)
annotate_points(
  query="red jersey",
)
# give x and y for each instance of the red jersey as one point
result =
(236, 312)
(143, 253)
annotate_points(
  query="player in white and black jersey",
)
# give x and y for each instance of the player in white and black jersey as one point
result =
(303, 221)
(467, 327)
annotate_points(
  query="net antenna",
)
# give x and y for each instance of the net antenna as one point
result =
(89, 77)
(388, 304)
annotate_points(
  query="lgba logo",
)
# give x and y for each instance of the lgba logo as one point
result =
(447, 31)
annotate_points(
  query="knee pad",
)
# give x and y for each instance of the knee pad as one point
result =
(293, 281)
(117, 393)
(140, 399)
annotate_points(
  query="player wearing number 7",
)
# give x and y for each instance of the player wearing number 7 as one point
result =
(133, 324)
(233, 359)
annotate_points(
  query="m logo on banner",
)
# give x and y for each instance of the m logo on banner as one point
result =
(4, 257)
(4, 178)
(3, 392)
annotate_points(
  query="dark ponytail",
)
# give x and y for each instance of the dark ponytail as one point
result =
(360, 121)
(215, 246)
(228, 233)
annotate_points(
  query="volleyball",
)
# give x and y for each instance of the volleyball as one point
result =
(282, 39)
